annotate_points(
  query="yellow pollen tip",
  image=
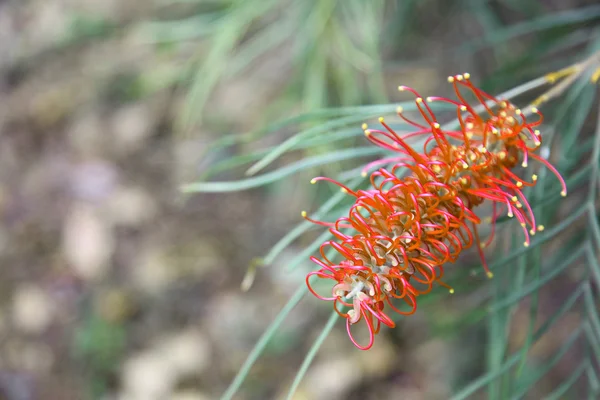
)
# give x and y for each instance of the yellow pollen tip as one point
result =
(519, 205)
(490, 275)
(532, 231)
(436, 125)
(540, 100)
(526, 244)
(537, 132)
(540, 228)
(524, 165)
(303, 213)
(519, 184)
(419, 99)
(518, 111)
(463, 108)
(367, 132)
(363, 174)
(429, 99)
(401, 88)
(450, 79)
(596, 76)
(467, 75)
(510, 215)
(523, 224)
(313, 181)
(451, 291)
(459, 77)
(534, 110)
(343, 190)
(380, 119)
(563, 193)
(399, 109)
(515, 199)
(364, 126)
(534, 177)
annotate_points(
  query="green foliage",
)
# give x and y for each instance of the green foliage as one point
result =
(521, 276)
(100, 344)
(311, 36)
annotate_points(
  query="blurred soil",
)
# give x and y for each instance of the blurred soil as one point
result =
(115, 286)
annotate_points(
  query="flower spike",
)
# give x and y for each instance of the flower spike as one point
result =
(404, 230)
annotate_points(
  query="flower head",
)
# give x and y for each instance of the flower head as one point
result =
(398, 234)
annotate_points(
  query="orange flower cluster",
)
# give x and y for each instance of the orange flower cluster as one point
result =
(399, 233)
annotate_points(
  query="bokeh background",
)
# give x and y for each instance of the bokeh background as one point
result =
(114, 285)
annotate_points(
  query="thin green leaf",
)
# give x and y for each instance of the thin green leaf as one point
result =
(564, 387)
(567, 305)
(528, 289)
(295, 140)
(558, 19)
(477, 384)
(262, 342)
(234, 186)
(333, 318)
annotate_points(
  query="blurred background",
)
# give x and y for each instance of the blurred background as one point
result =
(114, 285)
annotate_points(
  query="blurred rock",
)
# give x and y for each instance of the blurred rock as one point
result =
(151, 272)
(189, 395)
(50, 23)
(196, 258)
(36, 358)
(237, 319)
(147, 376)
(17, 386)
(192, 158)
(93, 180)
(115, 305)
(131, 125)
(88, 242)
(431, 366)
(331, 379)
(32, 309)
(8, 36)
(158, 266)
(186, 352)
(131, 206)
(379, 360)
(86, 133)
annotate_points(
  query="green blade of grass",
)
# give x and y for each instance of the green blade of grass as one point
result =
(477, 384)
(558, 19)
(528, 289)
(564, 387)
(333, 318)
(262, 342)
(234, 186)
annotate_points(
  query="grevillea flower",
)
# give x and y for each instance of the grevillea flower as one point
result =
(398, 234)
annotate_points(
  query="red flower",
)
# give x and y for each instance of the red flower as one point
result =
(398, 234)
